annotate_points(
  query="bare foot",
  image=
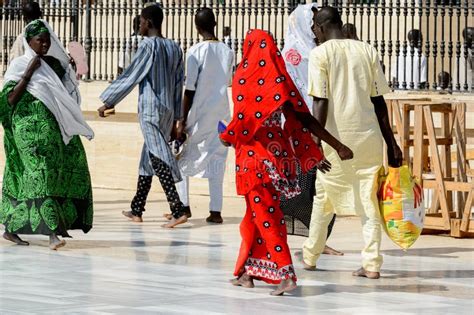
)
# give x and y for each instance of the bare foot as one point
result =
(366, 274)
(187, 213)
(284, 286)
(331, 251)
(174, 222)
(299, 256)
(55, 243)
(244, 280)
(15, 239)
(132, 217)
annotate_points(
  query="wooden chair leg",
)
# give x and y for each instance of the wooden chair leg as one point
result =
(436, 162)
(466, 216)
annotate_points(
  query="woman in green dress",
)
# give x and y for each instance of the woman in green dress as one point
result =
(46, 183)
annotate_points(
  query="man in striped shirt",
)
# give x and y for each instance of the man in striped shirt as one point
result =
(158, 69)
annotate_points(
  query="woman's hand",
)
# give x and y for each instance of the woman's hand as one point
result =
(224, 143)
(34, 64)
(324, 166)
(344, 152)
(16, 94)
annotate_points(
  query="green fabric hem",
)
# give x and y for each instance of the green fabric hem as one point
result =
(51, 215)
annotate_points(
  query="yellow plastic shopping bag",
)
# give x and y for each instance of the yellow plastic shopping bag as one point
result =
(401, 205)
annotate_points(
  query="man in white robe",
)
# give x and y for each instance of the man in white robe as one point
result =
(209, 72)
(411, 71)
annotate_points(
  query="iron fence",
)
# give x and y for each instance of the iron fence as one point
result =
(105, 28)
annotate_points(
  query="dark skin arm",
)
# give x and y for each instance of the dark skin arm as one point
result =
(187, 104)
(395, 156)
(320, 112)
(316, 128)
(15, 95)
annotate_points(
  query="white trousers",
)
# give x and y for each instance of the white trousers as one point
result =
(215, 191)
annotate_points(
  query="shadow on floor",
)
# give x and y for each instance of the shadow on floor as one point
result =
(436, 252)
(201, 222)
(308, 290)
(193, 223)
(431, 274)
(81, 244)
(388, 274)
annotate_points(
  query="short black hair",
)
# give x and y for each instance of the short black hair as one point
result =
(468, 29)
(328, 15)
(31, 11)
(415, 36)
(444, 76)
(205, 19)
(154, 13)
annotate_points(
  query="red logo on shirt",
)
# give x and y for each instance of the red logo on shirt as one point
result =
(293, 57)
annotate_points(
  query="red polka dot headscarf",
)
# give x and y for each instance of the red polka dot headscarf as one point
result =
(260, 87)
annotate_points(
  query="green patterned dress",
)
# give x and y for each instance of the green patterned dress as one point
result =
(46, 184)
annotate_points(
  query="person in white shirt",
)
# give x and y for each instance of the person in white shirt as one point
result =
(410, 71)
(208, 75)
(444, 80)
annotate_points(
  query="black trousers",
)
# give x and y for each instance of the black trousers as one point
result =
(163, 171)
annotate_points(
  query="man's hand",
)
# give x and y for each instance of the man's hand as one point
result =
(178, 130)
(102, 111)
(395, 156)
(344, 152)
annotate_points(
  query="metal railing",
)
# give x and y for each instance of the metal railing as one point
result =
(105, 28)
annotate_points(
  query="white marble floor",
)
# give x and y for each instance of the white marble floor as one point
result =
(125, 268)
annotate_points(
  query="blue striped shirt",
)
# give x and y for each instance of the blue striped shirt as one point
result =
(158, 69)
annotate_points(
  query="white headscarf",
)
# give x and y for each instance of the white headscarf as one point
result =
(299, 41)
(61, 97)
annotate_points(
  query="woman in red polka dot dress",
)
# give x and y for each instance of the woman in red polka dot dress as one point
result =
(267, 155)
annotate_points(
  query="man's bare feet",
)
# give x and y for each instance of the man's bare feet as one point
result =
(299, 256)
(174, 222)
(244, 281)
(15, 239)
(186, 210)
(331, 251)
(366, 274)
(132, 217)
(284, 286)
(55, 243)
